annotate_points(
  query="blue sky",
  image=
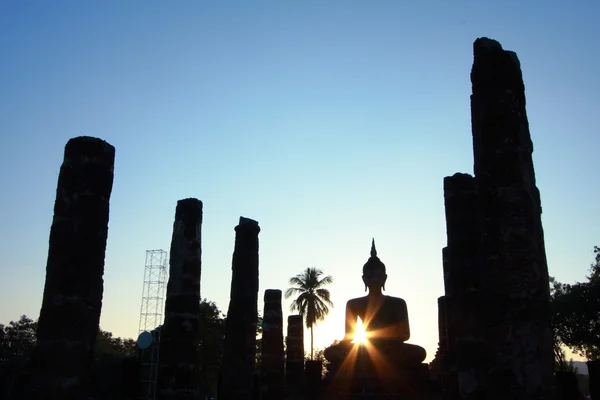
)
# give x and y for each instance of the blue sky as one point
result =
(328, 122)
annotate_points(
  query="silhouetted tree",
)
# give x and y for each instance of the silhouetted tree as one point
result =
(313, 299)
(17, 340)
(575, 314)
(212, 332)
(109, 354)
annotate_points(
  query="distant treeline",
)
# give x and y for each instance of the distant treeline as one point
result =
(17, 340)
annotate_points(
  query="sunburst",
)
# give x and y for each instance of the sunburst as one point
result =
(360, 333)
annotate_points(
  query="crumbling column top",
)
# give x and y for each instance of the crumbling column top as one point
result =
(247, 224)
(273, 295)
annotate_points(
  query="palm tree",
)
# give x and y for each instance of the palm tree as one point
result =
(313, 300)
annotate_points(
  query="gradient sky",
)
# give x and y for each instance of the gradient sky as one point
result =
(329, 122)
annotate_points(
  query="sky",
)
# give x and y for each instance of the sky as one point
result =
(328, 122)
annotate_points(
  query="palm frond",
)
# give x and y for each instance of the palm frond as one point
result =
(299, 281)
(321, 310)
(325, 281)
(300, 303)
(324, 295)
(289, 292)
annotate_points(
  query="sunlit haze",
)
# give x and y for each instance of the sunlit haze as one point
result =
(329, 122)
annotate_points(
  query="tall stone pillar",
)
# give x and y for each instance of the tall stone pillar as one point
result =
(461, 270)
(447, 371)
(272, 374)
(514, 269)
(462, 276)
(180, 358)
(239, 348)
(72, 300)
(294, 360)
(594, 376)
(442, 325)
(567, 386)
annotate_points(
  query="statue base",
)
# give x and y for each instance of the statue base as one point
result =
(363, 372)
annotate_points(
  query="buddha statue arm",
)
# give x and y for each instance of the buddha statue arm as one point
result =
(350, 323)
(403, 326)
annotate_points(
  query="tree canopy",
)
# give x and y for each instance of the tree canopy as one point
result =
(17, 340)
(575, 313)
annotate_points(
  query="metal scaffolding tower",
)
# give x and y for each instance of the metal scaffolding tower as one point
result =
(151, 315)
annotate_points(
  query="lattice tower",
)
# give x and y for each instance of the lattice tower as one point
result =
(151, 318)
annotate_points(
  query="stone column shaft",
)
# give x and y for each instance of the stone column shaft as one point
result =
(461, 270)
(515, 273)
(443, 325)
(594, 376)
(72, 299)
(239, 349)
(272, 364)
(462, 278)
(294, 360)
(180, 358)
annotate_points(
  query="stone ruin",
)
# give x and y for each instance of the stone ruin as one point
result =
(239, 348)
(70, 314)
(180, 356)
(273, 358)
(495, 340)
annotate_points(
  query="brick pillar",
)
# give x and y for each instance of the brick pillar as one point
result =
(180, 358)
(239, 349)
(294, 360)
(272, 374)
(462, 276)
(514, 269)
(594, 374)
(72, 300)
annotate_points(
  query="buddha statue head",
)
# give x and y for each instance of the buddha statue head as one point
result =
(374, 275)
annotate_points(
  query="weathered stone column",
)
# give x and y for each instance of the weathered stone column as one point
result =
(72, 300)
(272, 347)
(442, 325)
(180, 358)
(239, 348)
(514, 269)
(294, 360)
(462, 276)
(461, 270)
(130, 378)
(447, 375)
(594, 374)
(567, 386)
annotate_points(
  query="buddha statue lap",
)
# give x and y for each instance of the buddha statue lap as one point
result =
(386, 323)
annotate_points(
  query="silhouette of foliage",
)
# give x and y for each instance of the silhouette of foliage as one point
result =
(313, 299)
(17, 340)
(212, 333)
(105, 374)
(575, 314)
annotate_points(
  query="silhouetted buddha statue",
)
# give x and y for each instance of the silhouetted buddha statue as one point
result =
(385, 319)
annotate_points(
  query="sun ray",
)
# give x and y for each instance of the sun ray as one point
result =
(360, 333)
